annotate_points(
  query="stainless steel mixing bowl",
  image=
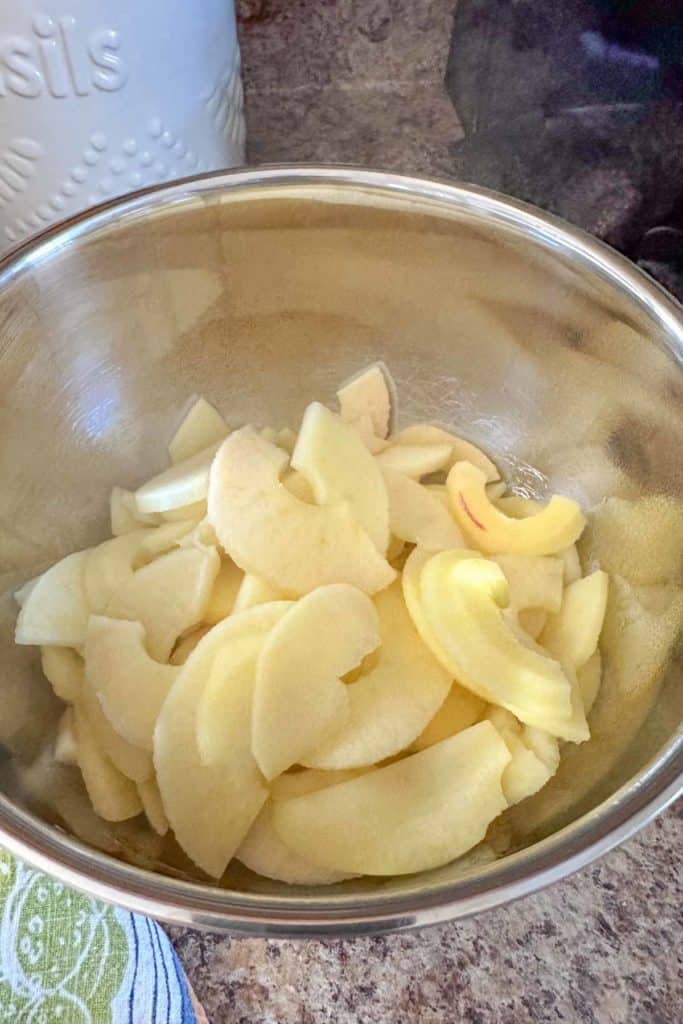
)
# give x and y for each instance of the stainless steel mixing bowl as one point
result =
(263, 289)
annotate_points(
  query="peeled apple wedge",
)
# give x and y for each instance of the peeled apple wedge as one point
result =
(268, 532)
(255, 590)
(641, 540)
(364, 427)
(534, 581)
(410, 582)
(415, 814)
(264, 852)
(369, 395)
(572, 635)
(461, 600)
(553, 528)
(63, 668)
(459, 711)
(393, 702)
(461, 450)
(133, 762)
(589, 677)
(56, 609)
(168, 596)
(417, 515)
(226, 587)
(300, 701)
(181, 484)
(201, 427)
(108, 566)
(535, 756)
(150, 798)
(113, 796)
(130, 685)
(210, 808)
(225, 708)
(333, 458)
(415, 460)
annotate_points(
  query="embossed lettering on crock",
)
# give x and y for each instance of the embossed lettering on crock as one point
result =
(60, 58)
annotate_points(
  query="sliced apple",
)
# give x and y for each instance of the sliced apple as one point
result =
(535, 756)
(113, 796)
(56, 609)
(572, 635)
(185, 646)
(150, 798)
(532, 621)
(334, 460)
(182, 484)
(392, 703)
(255, 590)
(413, 815)
(166, 537)
(534, 581)
(131, 761)
(410, 580)
(63, 668)
(298, 485)
(264, 852)
(369, 394)
(130, 685)
(417, 515)
(300, 701)
(210, 808)
(640, 540)
(66, 748)
(169, 596)
(461, 450)
(108, 566)
(268, 532)
(225, 709)
(572, 563)
(415, 460)
(589, 677)
(201, 427)
(555, 527)
(461, 600)
(195, 511)
(363, 425)
(516, 506)
(124, 513)
(226, 587)
(459, 711)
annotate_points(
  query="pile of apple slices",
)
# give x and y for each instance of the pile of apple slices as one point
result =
(295, 652)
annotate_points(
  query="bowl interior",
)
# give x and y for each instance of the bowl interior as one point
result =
(263, 298)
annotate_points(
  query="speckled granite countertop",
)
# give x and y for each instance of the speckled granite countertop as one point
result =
(362, 82)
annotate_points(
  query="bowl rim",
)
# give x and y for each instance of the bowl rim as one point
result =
(183, 902)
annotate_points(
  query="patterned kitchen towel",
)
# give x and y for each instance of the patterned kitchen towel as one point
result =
(68, 959)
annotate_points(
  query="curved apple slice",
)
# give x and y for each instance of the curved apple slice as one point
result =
(201, 427)
(210, 808)
(369, 394)
(227, 700)
(415, 460)
(168, 596)
(56, 609)
(255, 590)
(413, 815)
(418, 516)
(268, 532)
(63, 668)
(572, 634)
(264, 852)
(186, 645)
(589, 678)
(131, 761)
(461, 601)
(556, 526)
(534, 581)
(124, 513)
(150, 798)
(300, 700)
(66, 748)
(182, 484)
(113, 796)
(392, 703)
(108, 566)
(333, 458)
(459, 711)
(461, 450)
(130, 685)
(410, 581)
(535, 756)
(226, 587)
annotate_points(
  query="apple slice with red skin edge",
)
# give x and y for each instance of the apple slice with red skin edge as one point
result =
(113, 796)
(268, 532)
(264, 852)
(415, 814)
(201, 427)
(393, 702)
(461, 600)
(369, 394)
(418, 516)
(461, 450)
(209, 808)
(572, 634)
(554, 528)
(130, 685)
(55, 610)
(339, 468)
(300, 701)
